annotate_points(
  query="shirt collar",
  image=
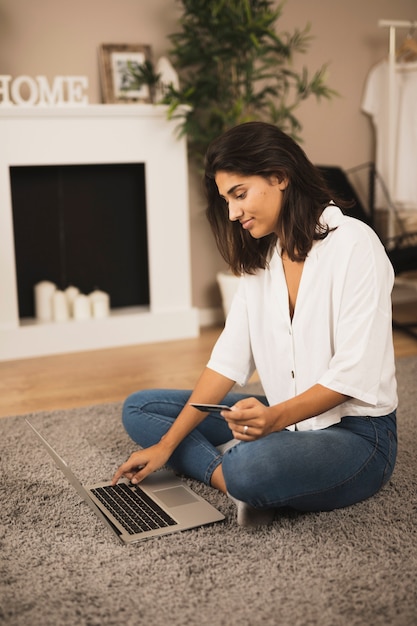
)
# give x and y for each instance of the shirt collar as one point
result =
(332, 216)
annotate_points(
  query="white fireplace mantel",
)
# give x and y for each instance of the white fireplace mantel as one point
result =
(100, 134)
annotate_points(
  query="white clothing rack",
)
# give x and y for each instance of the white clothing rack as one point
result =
(393, 25)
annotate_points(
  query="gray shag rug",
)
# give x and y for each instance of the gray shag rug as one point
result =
(59, 565)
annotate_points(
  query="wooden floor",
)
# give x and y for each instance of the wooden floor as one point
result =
(101, 376)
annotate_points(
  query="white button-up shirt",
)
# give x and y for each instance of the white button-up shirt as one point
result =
(341, 332)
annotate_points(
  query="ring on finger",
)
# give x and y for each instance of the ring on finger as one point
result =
(245, 429)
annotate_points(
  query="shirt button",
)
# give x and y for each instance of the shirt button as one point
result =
(292, 374)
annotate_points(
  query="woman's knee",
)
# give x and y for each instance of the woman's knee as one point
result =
(132, 408)
(129, 411)
(152, 411)
(136, 402)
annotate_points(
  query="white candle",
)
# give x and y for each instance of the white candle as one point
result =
(43, 300)
(71, 293)
(82, 309)
(100, 303)
(59, 306)
(100, 309)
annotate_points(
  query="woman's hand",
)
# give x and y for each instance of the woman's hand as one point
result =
(142, 463)
(249, 419)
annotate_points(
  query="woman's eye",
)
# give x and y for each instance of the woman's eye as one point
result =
(241, 196)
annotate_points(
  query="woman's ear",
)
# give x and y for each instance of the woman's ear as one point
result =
(278, 180)
(283, 184)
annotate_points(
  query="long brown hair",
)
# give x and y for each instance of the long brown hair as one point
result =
(262, 149)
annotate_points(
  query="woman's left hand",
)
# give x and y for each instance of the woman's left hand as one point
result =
(249, 419)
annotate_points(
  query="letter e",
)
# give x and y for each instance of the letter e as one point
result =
(76, 84)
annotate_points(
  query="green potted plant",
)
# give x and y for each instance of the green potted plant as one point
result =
(234, 67)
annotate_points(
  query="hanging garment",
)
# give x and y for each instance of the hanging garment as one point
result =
(376, 104)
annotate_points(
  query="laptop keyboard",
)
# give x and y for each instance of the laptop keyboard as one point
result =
(133, 508)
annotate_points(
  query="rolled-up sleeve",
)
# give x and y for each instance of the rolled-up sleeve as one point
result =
(362, 328)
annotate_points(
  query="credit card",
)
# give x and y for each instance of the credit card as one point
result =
(210, 408)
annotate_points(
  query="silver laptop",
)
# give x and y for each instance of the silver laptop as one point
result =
(160, 505)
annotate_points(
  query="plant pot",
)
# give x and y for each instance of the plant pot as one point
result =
(228, 284)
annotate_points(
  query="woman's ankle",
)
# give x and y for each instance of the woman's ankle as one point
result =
(250, 517)
(217, 479)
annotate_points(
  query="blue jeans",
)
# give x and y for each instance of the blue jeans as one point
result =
(316, 470)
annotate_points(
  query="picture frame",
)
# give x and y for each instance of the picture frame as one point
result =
(117, 81)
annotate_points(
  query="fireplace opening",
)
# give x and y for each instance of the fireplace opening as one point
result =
(81, 225)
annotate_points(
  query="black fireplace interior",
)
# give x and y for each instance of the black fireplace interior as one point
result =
(81, 225)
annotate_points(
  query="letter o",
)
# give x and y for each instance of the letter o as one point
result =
(16, 86)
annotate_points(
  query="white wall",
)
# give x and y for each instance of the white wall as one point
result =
(54, 37)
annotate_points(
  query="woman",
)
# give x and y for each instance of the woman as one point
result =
(313, 315)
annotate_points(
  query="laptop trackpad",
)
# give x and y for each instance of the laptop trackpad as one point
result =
(175, 496)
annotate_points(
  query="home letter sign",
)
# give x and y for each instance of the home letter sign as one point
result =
(25, 90)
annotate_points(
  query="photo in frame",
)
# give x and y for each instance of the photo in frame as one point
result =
(119, 81)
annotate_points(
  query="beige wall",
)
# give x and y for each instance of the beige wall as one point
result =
(53, 37)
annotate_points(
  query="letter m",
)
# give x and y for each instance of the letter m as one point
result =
(48, 95)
